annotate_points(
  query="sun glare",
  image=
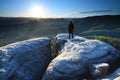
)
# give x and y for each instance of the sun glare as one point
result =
(37, 12)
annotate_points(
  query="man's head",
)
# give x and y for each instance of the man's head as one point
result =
(70, 22)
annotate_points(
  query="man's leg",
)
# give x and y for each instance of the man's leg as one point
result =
(69, 35)
(72, 34)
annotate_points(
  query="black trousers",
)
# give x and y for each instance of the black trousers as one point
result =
(70, 35)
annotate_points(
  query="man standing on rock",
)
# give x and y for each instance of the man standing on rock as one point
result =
(71, 29)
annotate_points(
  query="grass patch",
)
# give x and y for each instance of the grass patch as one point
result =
(113, 41)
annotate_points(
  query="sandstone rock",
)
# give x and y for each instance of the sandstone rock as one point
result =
(76, 55)
(99, 69)
(62, 38)
(113, 76)
(25, 60)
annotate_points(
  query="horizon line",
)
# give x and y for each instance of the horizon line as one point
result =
(54, 17)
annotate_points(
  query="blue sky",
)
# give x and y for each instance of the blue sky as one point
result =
(58, 8)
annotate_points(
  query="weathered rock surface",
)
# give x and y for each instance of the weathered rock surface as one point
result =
(25, 60)
(62, 38)
(76, 55)
(113, 76)
(99, 69)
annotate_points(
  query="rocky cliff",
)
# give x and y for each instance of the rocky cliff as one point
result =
(25, 60)
(76, 57)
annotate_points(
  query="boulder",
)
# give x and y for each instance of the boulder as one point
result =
(113, 76)
(25, 60)
(99, 69)
(62, 38)
(76, 55)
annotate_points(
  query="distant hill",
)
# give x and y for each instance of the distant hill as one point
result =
(24, 28)
(108, 25)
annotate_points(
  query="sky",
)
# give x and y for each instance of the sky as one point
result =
(58, 8)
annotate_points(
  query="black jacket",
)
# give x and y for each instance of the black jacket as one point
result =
(71, 28)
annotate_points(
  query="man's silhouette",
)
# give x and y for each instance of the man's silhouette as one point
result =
(70, 29)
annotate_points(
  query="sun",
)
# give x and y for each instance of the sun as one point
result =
(37, 11)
